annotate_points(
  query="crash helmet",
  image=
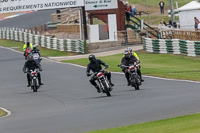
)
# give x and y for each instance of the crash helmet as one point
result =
(92, 58)
(34, 47)
(130, 49)
(127, 54)
(28, 44)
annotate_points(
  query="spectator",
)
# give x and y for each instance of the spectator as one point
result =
(130, 8)
(161, 4)
(195, 23)
(127, 11)
(164, 22)
(133, 11)
(170, 23)
(198, 25)
(161, 26)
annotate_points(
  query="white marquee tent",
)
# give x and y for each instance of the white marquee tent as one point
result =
(187, 14)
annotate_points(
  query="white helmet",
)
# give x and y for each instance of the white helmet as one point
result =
(130, 49)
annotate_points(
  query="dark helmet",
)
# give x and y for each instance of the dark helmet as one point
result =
(30, 57)
(127, 54)
(34, 47)
(28, 44)
(92, 58)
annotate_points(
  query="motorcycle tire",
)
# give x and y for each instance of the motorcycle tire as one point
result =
(34, 85)
(137, 84)
(106, 89)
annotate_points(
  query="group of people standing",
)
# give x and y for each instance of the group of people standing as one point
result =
(129, 11)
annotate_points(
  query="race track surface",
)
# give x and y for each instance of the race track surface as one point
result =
(29, 20)
(68, 103)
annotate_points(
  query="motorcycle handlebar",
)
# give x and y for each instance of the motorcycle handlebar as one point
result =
(99, 71)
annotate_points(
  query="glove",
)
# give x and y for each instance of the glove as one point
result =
(24, 71)
(40, 69)
(88, 74)
(107, 66)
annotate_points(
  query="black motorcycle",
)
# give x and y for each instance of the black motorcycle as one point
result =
(34, 80)
(103, 82)
(134, 78)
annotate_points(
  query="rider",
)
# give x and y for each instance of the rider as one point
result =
(95, 66)
(26, 45)
(29, 65)
(27, 49)
(127, 60)
(133, 53)
(36, 51)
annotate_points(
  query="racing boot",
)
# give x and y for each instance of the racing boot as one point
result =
(98, 89)
(111, 84)
(28, 85)
(41, 83)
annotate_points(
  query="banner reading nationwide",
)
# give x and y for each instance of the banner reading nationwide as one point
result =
(27, 5)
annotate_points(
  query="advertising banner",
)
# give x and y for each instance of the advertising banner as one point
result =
(100, 4)
(28, 5)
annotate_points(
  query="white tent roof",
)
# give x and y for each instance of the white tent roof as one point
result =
(193, 5)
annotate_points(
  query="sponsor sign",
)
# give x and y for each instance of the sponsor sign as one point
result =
(100, 4)
(27, 5)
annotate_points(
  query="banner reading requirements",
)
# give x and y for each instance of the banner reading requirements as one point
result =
(27, 5)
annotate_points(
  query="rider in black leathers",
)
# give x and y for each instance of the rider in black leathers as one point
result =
(95, 66)
(30, 64)
(127, 60)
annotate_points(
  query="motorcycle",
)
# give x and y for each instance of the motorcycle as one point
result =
(37, 58)
(134, 78)
(34, 80)
(103, 83)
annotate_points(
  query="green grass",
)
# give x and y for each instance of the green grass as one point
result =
(44, 51)
(183, 124)
(154, 3)
(2, 113)
(160, 65)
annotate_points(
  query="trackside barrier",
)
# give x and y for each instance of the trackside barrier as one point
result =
(48, 42)
(173, 46)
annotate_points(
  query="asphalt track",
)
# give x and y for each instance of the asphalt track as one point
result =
(67, 103)
(29, 20)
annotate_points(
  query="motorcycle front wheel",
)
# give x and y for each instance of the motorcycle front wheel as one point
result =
(34, 85)
(106, 88)
(136, 82)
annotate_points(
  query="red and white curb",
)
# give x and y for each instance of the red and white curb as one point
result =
(19, 14)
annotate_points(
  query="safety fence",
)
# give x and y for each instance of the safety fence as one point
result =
(173, 46)
(22, 35)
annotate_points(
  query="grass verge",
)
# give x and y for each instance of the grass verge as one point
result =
(183, 124)
(2, 113)
(44, 51)
(160, 65)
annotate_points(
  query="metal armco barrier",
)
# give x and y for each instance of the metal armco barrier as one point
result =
(48, 42)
